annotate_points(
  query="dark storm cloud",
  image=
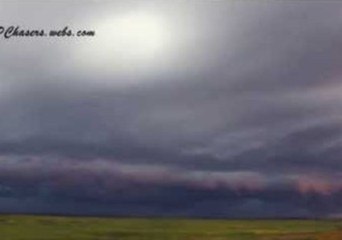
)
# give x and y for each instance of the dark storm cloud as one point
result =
(113, 188)
(243, 120)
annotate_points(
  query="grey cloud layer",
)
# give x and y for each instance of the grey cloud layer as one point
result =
(251, 93)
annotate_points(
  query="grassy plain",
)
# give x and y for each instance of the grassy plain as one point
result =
(15, 227)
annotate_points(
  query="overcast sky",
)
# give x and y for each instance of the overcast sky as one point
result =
(174, 108)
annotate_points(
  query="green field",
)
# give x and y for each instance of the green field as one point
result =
(14, 227)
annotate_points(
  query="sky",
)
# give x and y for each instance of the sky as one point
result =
(198, 108)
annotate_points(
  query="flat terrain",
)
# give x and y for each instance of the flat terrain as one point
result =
(78, 228)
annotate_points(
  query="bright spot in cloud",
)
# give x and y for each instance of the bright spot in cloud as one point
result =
(129, 45)
(135, 37)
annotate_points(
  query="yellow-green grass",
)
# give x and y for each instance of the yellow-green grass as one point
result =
(15, 227)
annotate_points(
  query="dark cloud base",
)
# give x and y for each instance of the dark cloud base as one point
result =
(176, 201)
(109, 188)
